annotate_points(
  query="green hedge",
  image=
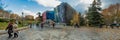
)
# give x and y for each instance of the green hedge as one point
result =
(4, 20)
(3, 25)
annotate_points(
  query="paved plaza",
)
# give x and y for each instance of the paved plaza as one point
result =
(66, 33)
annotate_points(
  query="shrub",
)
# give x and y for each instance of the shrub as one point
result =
(4, 20)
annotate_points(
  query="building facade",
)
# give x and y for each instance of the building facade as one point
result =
(48, 15)
(65, 13)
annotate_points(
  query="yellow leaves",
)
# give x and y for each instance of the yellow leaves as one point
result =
(29, 17)
(111, 12)
(76, 18)
(14, 16)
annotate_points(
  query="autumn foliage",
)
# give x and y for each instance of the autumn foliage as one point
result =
(112, 14)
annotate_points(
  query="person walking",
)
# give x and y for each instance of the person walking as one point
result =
(9, 29)
(30, 24)
(15, 31)
(53, 24)
(76, 25)
(42, 25)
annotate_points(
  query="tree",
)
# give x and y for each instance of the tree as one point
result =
(14, 16)
(93, 16)
(82, 21)
(39, 16)
(76, 18)
(112, 14)
(29, 17)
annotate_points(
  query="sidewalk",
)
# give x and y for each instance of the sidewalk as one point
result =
(19, 29)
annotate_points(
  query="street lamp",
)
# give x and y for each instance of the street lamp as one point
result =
(22, 18)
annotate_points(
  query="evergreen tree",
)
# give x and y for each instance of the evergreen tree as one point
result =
(94, 16)
(82, 21)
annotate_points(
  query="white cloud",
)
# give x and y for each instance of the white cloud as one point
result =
(79, 4)
(86, 3)
(28, 12)
(48, 3)
(103, 5)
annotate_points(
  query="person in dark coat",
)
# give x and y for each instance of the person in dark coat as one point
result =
(77, 25)
(10, 29)
(53, 24)
(42, 25)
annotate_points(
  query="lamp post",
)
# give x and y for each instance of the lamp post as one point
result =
(22, 18)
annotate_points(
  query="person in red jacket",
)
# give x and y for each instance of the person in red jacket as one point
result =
(10, 29)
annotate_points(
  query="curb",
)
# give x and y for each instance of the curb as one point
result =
(19, 29)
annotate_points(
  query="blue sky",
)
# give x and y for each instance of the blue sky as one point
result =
(31, 7)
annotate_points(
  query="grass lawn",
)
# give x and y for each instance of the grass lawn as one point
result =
(3, 25)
